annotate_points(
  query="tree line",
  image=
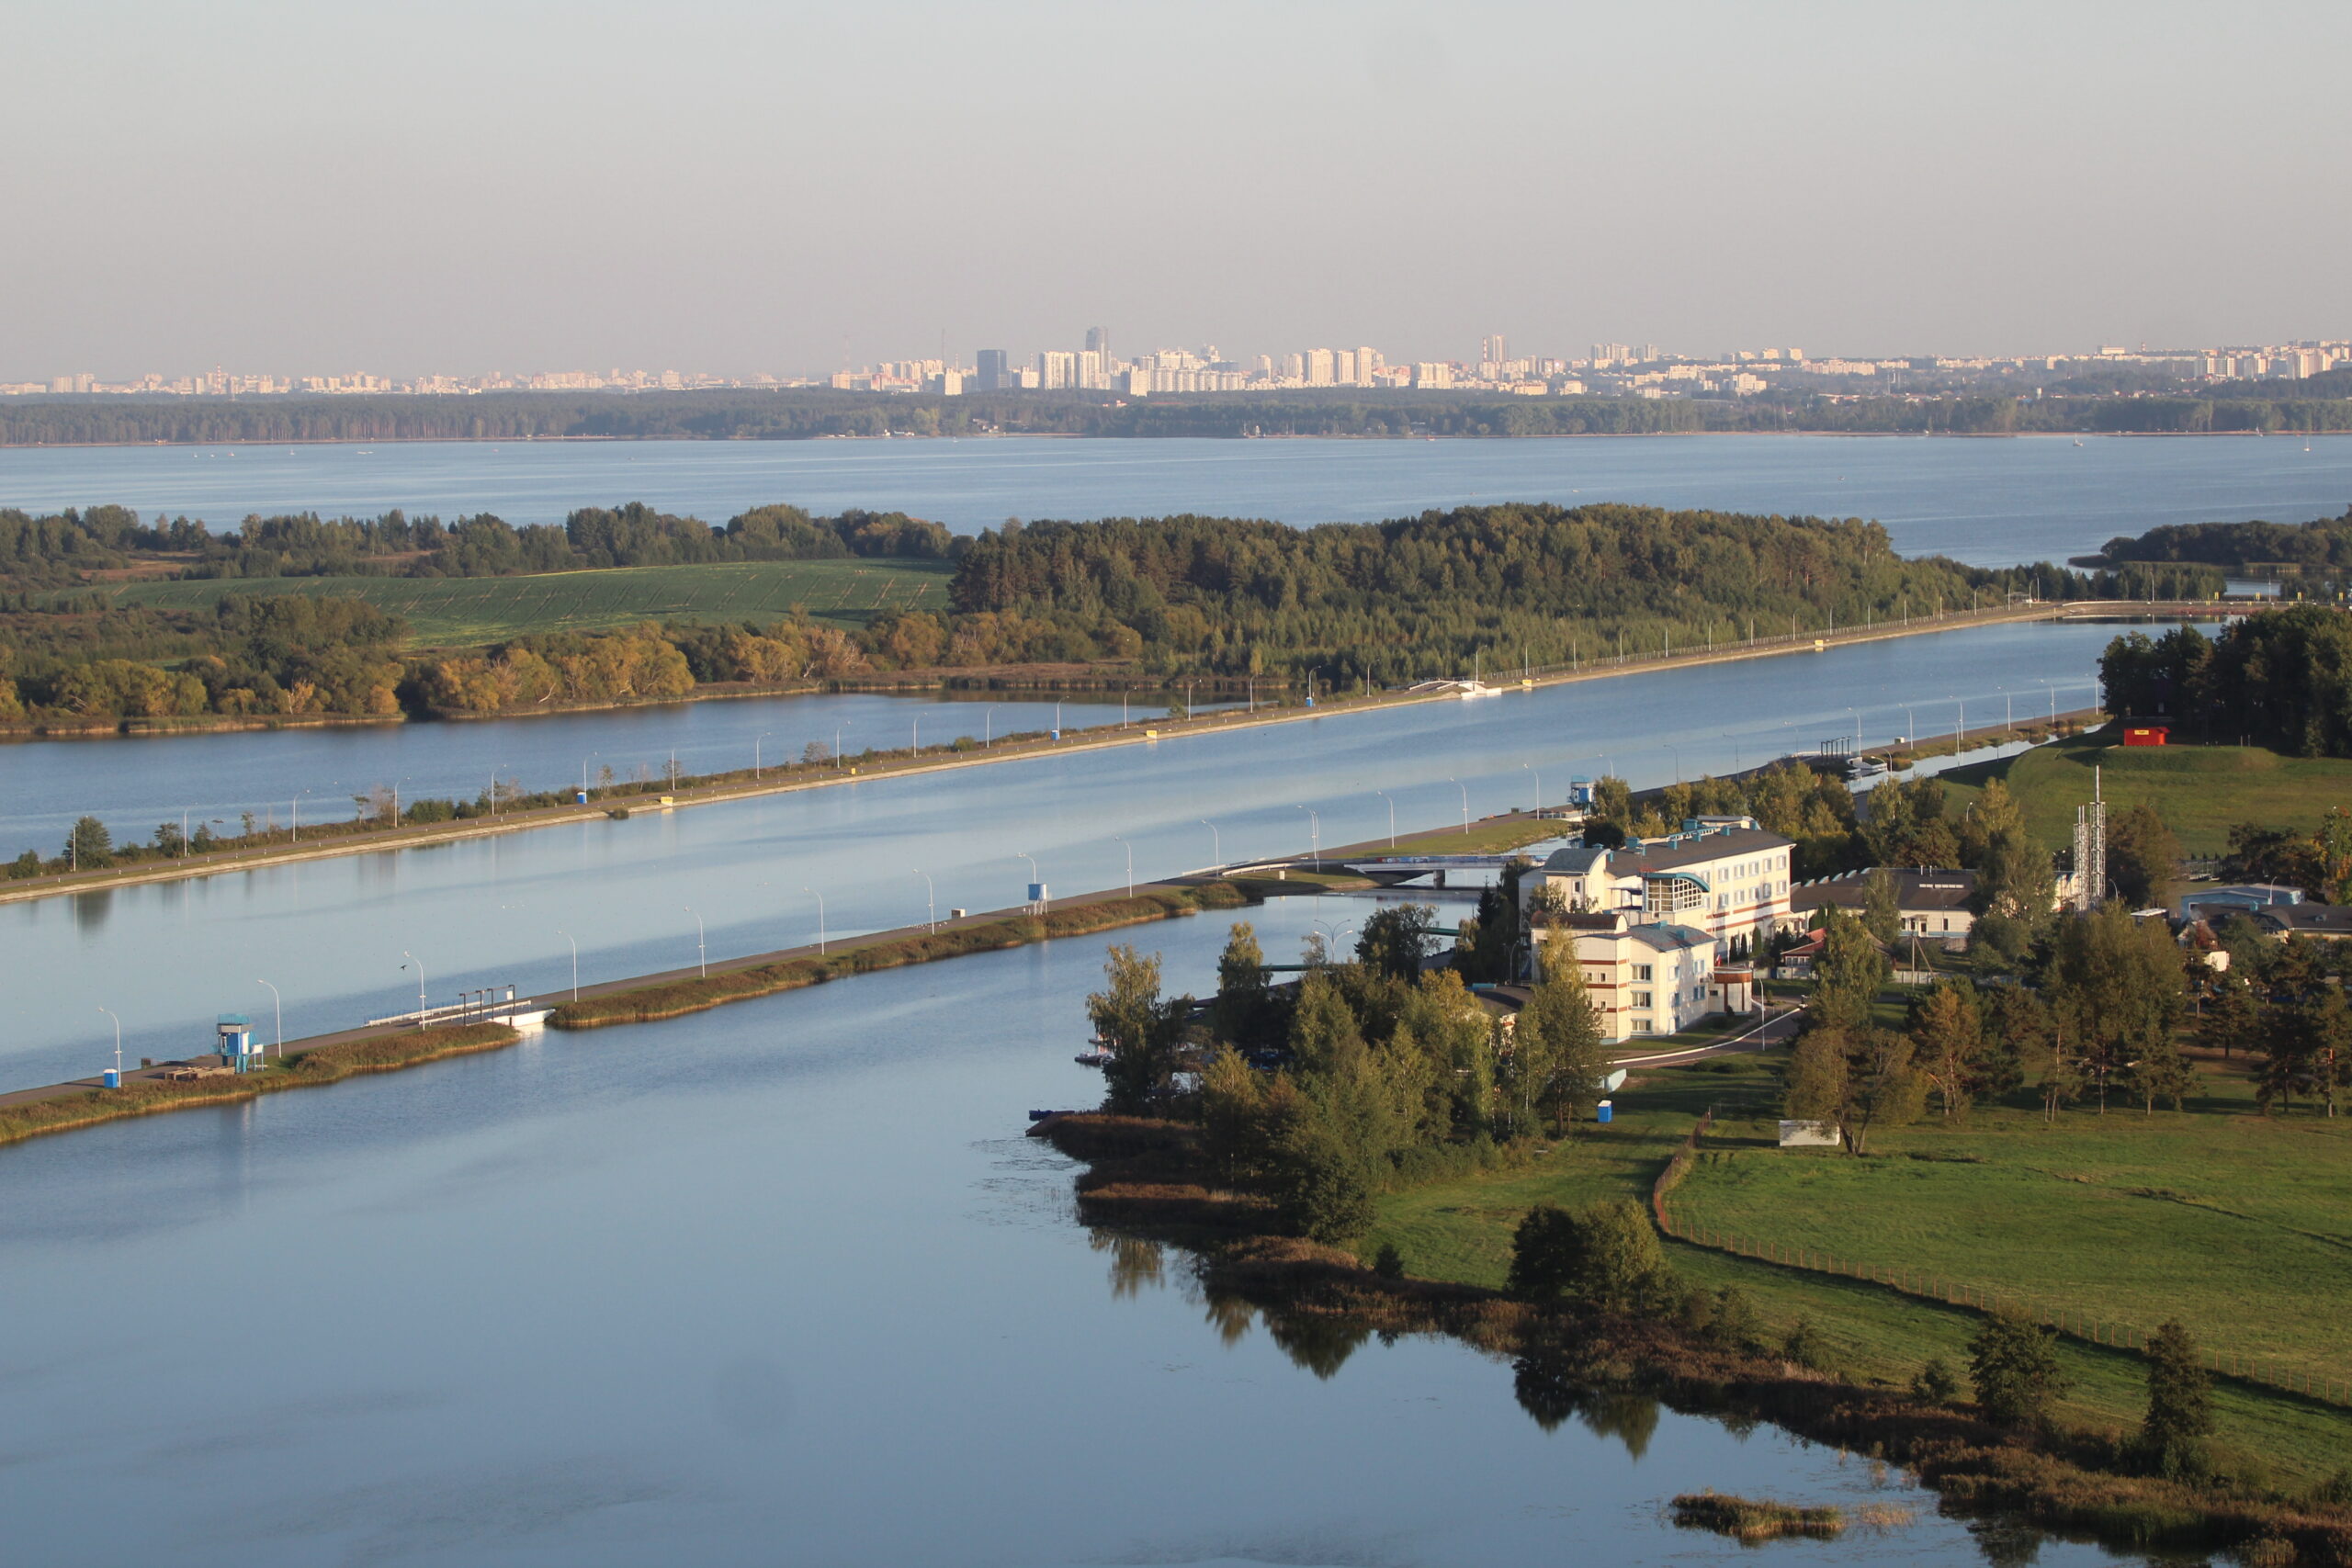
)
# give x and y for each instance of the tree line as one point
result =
(2281, 679)
(805, 413)
(1421, 597)
(2322, 546)
(70, 546)
(1365, 605)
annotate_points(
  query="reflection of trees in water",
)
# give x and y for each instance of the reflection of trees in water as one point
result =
(1550, 1397)
(2008, 1543)
(1321, 1343)
(1135, 1261)
(1231, 1317)
(91, 909)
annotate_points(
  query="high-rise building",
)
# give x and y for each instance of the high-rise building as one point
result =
(1319, 367)
(1093, 375)
(1491, 349)
(1366, 362)
(1343, 367)
(1056, 369)
(1098, 341)
(994, 373)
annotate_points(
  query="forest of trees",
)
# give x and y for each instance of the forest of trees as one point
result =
(2282, 679)
(66, 547)
(1355, 605)
(798, 413)
(1421, 597)
(2322, 548)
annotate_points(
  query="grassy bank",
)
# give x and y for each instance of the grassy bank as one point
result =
(1147, 1178)
(2090, 1176)
(646, 1004)
(2200, 791)
(465, 612)
(308, 1069)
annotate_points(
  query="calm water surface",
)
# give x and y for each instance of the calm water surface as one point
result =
(1992, 502)
(333, 934)
(133, 782)
(775, 1284)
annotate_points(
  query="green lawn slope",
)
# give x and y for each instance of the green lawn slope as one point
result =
(466, 612)
(2200, 791)
(2237, 1225)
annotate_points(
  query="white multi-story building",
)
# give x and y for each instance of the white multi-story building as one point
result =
(1653, 977)
(1723, 875)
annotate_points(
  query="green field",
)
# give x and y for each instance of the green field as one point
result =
(2200, 791)
(465, 612)
(2239, 1227)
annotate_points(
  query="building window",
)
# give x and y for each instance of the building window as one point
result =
(1642, 971)
(1641, 998)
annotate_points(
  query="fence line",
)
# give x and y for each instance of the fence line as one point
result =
(2070, 1322)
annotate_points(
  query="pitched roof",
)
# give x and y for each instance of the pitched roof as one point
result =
(1929, 889)
(1574, 861)
(1667, 854)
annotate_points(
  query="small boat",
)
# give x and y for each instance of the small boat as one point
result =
(1097, 1057)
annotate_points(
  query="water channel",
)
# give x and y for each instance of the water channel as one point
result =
(298, 775)
(334, 934)
(777, 1284)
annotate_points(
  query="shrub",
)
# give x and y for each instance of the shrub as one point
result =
(2015, 1367)
(1935, 1383)
(2180, 1406)
(1803, 1345)
(1388, 1263)
(1604, 1256)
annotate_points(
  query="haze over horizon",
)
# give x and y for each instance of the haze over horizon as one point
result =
(733, 187)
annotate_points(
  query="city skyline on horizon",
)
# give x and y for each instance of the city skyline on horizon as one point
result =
(740, 187)
(1499, 361)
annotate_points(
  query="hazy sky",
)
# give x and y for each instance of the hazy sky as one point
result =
(400, 186)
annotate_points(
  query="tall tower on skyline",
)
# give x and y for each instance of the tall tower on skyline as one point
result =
(1098, 341)
(1491, 349)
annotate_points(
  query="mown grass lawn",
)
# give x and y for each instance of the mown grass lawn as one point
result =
(2264, 1268)
(466, 612)
(2200, 791)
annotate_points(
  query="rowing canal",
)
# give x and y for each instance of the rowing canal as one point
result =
(332, 935)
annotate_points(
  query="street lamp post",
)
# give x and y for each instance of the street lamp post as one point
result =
(583, 770)
(837, 746)
(1392, 815)
(762, 735)
(117, 1041)
(1314, 834)
(1539, 786)
(702, 956)
(1035, 879)
(1131, 864)
(931, 895)
(420, 985)
(1217, 843)
(575, 961)
(820, 916)
(1465, 804)
(280, 1011)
